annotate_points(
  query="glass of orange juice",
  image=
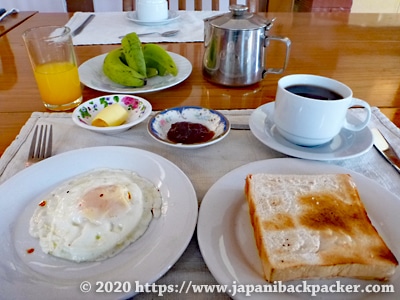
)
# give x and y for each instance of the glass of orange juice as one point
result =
(53, 60)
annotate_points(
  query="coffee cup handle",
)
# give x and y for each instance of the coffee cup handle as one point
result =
(363, 124)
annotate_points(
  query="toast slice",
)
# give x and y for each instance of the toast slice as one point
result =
(314, 226)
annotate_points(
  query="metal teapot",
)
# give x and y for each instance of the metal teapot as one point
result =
(235, 48)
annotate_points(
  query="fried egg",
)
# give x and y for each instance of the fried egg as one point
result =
(95, 215)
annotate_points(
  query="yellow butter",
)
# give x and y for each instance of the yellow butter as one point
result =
(112, 115)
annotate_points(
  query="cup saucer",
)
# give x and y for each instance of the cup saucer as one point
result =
(132, 16)
(347, 144)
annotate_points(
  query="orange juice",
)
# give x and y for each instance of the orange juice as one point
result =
(58, 83)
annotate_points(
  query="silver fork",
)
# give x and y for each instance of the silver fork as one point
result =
(41, 145)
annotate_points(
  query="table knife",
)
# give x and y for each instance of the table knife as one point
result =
(79, 29)
(385, 149)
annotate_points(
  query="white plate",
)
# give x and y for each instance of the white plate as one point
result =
(172, 16)
(42, 276)
(92, 75)
(138, 110)
(226, 236)
(346, 144)
(160, 124)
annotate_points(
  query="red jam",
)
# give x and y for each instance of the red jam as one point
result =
(189, 133)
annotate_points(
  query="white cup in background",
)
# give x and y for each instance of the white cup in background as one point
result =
(305, 115)
(151, 10)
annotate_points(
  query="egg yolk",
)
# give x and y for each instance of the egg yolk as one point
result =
(105, 201)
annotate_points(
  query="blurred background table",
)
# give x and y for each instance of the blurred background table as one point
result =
(14, 20)
(361, 50)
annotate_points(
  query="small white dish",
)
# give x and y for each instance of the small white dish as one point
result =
(160, 124)
(347, 144)
(91, 74)
(226, 237)
(132, 16)
(138, 109)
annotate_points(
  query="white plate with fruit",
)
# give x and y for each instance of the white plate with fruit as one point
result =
(120, 70)
(111, 114)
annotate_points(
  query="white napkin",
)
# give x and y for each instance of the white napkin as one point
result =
(106, 28)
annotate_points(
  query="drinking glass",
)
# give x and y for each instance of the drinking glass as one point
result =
(53, 60)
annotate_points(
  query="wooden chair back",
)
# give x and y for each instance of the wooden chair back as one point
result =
(129, 5)
(79, 5)
(215, 4)
(254, 5)
(87, 5)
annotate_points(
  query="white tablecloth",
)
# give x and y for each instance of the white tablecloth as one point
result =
(107, 27)
(203, 166)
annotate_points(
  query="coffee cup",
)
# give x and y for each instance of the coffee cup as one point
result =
(311, 110)
(151, 10)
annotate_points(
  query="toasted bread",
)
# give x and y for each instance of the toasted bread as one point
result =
(314, 226)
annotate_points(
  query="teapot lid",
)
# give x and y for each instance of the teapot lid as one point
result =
(239, 19)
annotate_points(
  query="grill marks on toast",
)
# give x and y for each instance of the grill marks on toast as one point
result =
(279, 222)
(327, 211)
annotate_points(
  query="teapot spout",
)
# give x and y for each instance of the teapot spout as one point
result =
(269, 24)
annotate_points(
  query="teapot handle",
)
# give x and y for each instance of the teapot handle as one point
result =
(288, 43)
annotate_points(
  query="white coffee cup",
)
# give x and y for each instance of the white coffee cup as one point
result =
(304, 120)
(151, 10)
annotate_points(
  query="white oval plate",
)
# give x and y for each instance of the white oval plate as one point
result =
(138, 109)
(347, 144)
(226, 236)
(42, 276)
(172, 16)
(91, 74)
(160, 124)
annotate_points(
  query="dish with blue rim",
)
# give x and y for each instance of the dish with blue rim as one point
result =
(347, 144)
(160, 124)
(172, 16)
(138, 110)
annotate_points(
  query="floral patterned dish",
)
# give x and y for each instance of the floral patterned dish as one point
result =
(138, 109)
(161, 123)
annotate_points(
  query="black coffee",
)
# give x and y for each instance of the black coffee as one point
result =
(314, 92)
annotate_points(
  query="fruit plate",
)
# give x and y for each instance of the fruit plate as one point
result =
(91, 75)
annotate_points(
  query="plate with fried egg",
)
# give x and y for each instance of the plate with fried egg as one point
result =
(72, 219)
